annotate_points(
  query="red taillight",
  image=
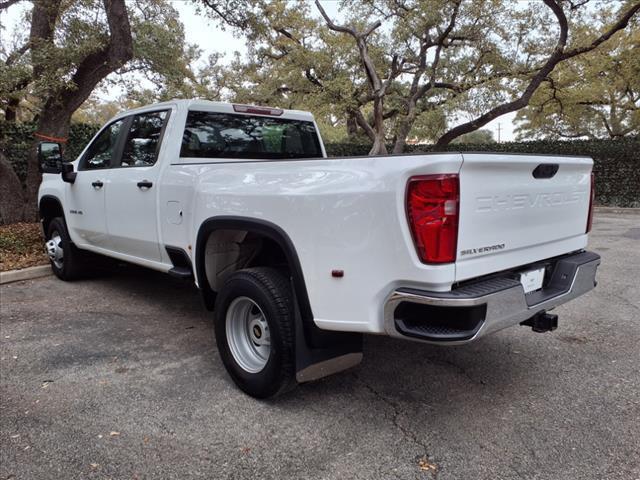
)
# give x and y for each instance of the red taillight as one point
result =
(432, 208)
(592, 198)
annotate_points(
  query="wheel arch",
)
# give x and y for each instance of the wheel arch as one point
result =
(318, 352)
(261, 227)
(49, 207)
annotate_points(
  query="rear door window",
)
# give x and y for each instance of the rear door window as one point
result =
(143, 139)
(225, 135)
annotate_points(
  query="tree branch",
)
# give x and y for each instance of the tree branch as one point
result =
(440, 42)
(377, 86)
(312, 78)
(619, 25)
(362, 123)
(333, 26)
(345, 29)
(96, 66)
(558, 55)
(229, 13)
(287, 34)
(390, 113)
(370, 29)
(13, 56)
(360, 38)
(43, 22)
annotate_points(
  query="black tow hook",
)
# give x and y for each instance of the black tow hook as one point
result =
(542, 322)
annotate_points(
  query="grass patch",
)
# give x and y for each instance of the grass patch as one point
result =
(21, 246)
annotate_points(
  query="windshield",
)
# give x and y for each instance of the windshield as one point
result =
(226, 135)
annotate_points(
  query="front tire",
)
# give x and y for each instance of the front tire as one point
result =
(254, 327)
(63, 255)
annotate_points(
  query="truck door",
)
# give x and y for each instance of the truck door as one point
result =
(85, 198)
(132, 193)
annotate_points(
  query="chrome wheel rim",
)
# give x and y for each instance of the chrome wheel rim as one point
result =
(54, 249)
(248, 334)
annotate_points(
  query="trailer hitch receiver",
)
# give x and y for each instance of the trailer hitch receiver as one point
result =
(542, 322)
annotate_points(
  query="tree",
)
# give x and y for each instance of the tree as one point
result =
(109, 52)
(293, 62)
(12, 203)
(459, 50)
(596, 95)
(15, 71)
(399, 69)
(72, 48)
(64, 67)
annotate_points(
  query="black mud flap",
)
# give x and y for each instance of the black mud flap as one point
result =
(320, 353)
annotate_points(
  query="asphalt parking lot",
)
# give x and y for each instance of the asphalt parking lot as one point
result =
(118, 377)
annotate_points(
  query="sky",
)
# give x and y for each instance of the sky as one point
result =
(201, 31)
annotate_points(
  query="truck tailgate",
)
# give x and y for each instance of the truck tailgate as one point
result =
(508, 217)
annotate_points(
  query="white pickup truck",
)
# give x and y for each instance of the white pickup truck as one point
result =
(299, 255)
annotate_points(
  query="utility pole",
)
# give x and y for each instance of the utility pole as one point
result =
(498, 132)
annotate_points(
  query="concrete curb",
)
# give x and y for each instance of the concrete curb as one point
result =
(25, 274)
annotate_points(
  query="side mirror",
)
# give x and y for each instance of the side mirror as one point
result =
(49, 157)
(68, 175)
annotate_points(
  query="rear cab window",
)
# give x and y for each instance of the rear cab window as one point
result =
(228, 135)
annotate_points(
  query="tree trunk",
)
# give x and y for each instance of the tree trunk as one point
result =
(11, 197)
(400, 143)
(379, 147)
(52, 122)
(352, 126)
(406, 123)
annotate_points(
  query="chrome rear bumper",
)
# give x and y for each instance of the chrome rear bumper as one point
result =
(485, 306)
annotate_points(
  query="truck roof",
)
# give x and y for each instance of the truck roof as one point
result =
(223, 107)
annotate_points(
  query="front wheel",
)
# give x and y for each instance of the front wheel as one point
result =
(254, 327)
(63, 255)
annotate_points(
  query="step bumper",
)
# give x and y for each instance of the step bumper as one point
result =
(487, 305)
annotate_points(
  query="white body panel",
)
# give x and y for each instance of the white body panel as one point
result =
(342, 213)
(87, 209)
(345, 214)
(132, 220)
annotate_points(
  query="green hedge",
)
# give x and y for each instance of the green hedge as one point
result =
(16, 138)
(617, 162)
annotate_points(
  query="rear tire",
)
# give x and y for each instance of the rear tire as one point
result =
(64, 256)
(254, 327)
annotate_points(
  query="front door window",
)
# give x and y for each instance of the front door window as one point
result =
(101, 151)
